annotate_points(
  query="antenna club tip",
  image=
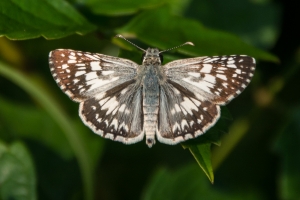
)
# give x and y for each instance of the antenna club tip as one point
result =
(119, 36)
(190, 43)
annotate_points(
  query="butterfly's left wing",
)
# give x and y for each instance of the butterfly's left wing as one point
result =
(193, 91)
(82, 75)
(110, 97)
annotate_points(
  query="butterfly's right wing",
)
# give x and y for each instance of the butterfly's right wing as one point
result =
(194, 89)
(182, 115)
(216, 78)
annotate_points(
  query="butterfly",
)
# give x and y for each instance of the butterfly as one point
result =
(124, 101)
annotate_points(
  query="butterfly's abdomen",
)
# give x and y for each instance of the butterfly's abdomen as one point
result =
(150, 105)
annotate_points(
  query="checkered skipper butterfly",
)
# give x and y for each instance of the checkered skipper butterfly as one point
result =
(124, 101)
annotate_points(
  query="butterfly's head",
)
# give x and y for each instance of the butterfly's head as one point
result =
(152, 56)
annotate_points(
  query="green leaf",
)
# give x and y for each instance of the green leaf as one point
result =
(121, 7)
(51, 19)
(287, 145)
(17, 175)
(254, 21)
(160, 29)
(202, 155)
(201, 147)
(187, 183)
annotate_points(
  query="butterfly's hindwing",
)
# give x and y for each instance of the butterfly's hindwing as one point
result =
(81, 75)
(182, 116)
(218, 78)
(116, 114)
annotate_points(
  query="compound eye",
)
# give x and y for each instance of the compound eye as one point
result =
(161, 58)
(143, 56)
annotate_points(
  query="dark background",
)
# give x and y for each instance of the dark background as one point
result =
(259, 158)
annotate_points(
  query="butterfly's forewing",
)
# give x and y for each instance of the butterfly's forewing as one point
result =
(110, 99)
(194, 89)
(217, 78)
(82, 75)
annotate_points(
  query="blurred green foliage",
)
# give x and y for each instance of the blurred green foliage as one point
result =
(17, 172)
(47, 153)
(167, 184)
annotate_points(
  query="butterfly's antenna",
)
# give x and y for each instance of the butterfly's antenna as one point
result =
(187, 43)
(121, 36)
